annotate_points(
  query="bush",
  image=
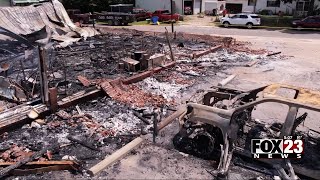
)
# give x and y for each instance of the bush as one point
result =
(276, 21)
(266, 12)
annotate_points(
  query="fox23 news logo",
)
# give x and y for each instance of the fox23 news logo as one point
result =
(288, 147)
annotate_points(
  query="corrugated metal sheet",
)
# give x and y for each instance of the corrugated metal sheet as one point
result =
(29, 19)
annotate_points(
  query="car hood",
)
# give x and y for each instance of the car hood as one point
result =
(296, 21)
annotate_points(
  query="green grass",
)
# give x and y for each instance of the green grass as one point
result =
(137, 23)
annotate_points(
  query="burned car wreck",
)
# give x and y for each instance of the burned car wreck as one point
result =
(215, 125)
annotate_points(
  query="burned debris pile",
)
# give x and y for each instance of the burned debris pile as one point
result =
(92, 97)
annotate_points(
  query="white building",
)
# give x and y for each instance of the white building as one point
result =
(197, 6)
(299, 7)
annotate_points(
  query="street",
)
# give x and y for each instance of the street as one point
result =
(212, 30)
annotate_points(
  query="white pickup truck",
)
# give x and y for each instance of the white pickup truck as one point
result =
(243, 19)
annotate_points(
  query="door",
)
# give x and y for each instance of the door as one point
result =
(234, 19)
(243, 20)
(310, 22)
(188, 7)
(234, 8)
(197, 4)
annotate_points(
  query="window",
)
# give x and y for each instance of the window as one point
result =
(243, 16)
(254, 16)
(303, 5)
(235, 16)
(273, 3)
(251, 2)
(311, 20)
(300, 6)
(306, 6)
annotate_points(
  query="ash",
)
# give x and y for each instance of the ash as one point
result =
(169, 91)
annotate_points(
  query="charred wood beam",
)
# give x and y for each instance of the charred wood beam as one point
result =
(79, 97)
(141, 118)
(169, 44)
(19, 115)
(272, 54)
(43, 76)
(5, 171)
(143, 75)
(83, 143)
(45, 166)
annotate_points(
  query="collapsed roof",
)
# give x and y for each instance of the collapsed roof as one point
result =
(50, 16)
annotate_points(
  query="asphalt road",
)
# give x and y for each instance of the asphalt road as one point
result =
(211, 30)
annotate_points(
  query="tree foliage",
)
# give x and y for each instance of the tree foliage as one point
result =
(93, 5)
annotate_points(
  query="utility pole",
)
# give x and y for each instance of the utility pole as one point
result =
(172, 29)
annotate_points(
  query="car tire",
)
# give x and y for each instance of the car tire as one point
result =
(117, 23)
(226, 24)
(110, 22)
(299, 28)
(249, 25)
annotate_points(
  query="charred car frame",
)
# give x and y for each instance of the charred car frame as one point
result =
(215, 119)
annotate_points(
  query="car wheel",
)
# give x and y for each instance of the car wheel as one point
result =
(116, 23)
(249, 25)
(299, 28)
(110, 22)
(226, 24)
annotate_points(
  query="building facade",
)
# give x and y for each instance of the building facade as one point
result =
(297, 7)
(196, 6)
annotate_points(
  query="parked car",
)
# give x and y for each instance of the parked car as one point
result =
(308, 22)
(242, 19)
(76, 16)
(165, 15)
(141, 14)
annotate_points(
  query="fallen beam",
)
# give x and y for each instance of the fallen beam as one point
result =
(272, 54)
(141, 118)
(202, 53)
(79, 97)
(5, 171)
(36, 167)
(22, 172)
(143, 75)
(252, 63)
(227, 80)
(115, 156)
(171, 118)
(133, 144)
(19, 115)
(41, 163)
(83, 143)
